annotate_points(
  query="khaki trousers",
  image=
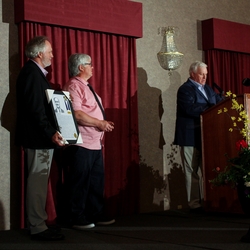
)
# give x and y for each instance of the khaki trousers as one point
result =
(192, 164)
(39, 163)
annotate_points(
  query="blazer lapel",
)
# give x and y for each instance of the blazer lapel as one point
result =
(40, 72)
(199, 93)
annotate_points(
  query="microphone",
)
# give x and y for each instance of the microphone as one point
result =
(219, 89)
(246, 81)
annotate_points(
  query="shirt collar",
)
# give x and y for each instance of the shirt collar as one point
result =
(45, 72)
(81, 80)
(198, 85)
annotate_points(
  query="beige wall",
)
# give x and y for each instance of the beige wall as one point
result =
(156, 95)
(4, 134)
(9, 168)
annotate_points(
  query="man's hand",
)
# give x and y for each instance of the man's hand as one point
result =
(84, 119)
(58, 139)
(106, 126)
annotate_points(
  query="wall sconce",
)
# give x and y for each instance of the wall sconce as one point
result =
(168, 57)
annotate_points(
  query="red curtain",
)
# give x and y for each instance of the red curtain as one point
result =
(115, 80)
(227, 69)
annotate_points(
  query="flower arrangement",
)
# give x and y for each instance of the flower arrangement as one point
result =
(238, 169)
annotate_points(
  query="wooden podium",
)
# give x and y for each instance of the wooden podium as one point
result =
(217, 141)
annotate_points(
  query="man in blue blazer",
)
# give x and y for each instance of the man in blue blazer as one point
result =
(36, 133)
(193, 98)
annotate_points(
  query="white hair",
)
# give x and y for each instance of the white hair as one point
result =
(35, 46)
(75, 60)
(195, 65)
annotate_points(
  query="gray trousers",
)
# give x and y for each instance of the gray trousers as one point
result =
(39, 163)
(192, 164)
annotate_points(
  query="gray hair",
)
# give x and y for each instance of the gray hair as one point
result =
(194, 66)
(75, 60)
(35, 46)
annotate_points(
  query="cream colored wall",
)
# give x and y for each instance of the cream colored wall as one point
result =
(155, 82)
(9, 167)
(4, 134)
(156, 96)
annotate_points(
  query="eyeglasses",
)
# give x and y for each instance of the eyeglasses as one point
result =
(90, 64)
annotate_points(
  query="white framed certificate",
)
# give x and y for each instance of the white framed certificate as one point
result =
(64, 115)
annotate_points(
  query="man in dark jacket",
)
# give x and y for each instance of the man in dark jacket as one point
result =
(36, 133)
(193, 98)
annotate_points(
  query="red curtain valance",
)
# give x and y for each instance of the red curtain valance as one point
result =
(225, 35)
(120, 17)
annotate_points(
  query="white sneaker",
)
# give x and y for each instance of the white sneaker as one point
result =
(105, 221)
(82, 227)
(82, 224)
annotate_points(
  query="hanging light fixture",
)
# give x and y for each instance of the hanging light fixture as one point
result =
(168, 57)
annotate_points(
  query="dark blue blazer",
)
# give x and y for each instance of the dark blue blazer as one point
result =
(35, 120)
(190, 104)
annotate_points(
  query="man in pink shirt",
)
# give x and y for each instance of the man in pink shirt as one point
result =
(85, 160)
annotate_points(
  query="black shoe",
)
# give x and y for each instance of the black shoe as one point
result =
(55, 228)
(47, 235)
(198, 210)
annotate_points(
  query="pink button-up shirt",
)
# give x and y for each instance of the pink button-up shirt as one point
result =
(84, 100)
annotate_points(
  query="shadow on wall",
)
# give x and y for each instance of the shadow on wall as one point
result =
(152, 183)
(176, 177)
(8, 121)
(2, 216)
(8, 114)
(176, 181)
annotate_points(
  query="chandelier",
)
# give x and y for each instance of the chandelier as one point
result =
(168, 57)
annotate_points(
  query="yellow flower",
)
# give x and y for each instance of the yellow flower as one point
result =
(244, 133)
(236, 105)
(241, 119)
(243, 114)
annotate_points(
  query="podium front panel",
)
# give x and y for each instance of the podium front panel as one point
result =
(219, 144)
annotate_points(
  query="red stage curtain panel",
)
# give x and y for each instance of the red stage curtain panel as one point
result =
(227, 69)
(227, 53)
(115, 80)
